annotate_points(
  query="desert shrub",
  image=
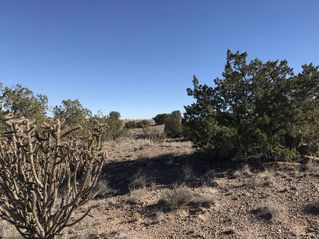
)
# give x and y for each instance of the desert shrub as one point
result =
(257, 110)
(154, 133)
(114, 126)
(176, 198)
(137, 124)
(73, 114)
(23, 102)
(143, 124)
(160, 118)
(35, 165)
(173, 125)
(130, 125)
(114, 115)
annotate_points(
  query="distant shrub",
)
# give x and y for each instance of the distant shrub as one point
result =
(137, 124)
(154, 133)
(114, 115)
(73, 114)
(130, 125)
(160, 118)
(114, 126)
(143, 124)
(23, 102)
(174, 127)
(256, 111)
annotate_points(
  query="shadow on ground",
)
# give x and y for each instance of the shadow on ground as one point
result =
(166, 170)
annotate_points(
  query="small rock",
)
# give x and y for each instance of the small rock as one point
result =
(203, 217)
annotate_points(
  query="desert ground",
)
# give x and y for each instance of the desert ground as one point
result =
(163, 190)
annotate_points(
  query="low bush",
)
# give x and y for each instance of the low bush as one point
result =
(183, 196)
(154, 133)
(130, 125)
(143, 124)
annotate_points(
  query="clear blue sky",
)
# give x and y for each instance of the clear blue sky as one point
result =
(138, 56)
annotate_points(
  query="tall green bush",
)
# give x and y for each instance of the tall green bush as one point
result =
(173, 125)
(256, 110)
(73, 114)
(160, 118)
(114, 126)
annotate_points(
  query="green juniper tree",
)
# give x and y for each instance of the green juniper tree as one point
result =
(72, 112)
(22, 101)
(256, 110)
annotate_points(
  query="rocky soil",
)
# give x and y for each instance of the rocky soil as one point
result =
(164, 190)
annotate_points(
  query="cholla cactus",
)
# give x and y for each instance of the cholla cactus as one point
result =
(35, 164)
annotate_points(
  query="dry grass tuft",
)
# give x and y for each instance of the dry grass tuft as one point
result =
(136, 196)
(312, 167)
(182, 196)
(265, 179)
(187, 172)
(138, 181)
(270, 212)
(175, 198)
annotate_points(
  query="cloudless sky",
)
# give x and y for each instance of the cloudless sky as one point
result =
(138, 56)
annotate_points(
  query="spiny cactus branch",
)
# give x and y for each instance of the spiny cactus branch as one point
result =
(45, 174)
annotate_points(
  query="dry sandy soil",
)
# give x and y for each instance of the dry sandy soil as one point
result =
(164, 190)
